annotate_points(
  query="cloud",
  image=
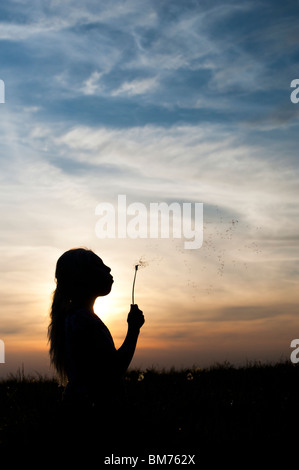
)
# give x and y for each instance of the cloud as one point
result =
(192, 57)
(208, 150)
(92, 85)
(136, 87)
(255, 312)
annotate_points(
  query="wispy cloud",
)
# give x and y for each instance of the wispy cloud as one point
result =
(136, 87)
(92, 85)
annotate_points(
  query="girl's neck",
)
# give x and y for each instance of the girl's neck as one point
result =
(83, 303)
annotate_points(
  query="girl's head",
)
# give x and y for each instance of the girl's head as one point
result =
(81, 274)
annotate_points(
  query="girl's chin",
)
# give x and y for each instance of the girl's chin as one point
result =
(105, 292)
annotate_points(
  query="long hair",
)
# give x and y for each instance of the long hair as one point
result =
(56, 334)
(71, 278)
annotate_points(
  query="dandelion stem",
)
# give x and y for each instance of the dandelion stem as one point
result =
(136, 269)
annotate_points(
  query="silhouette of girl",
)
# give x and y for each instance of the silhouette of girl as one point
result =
(83, 352)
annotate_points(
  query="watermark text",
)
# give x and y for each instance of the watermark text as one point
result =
(2, 352)
(164, 459)
(295, 93)
(295, 354)
(2, 92)
(159, 220)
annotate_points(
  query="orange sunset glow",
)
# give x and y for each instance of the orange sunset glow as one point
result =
(224, 302)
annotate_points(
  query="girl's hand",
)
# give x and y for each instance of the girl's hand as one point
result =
(135, 317)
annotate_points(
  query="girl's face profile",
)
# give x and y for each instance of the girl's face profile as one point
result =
(101, 279)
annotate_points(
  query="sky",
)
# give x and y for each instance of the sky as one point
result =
(161, 101)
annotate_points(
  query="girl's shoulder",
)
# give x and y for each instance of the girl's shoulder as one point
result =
(81, 318)
(81, 323)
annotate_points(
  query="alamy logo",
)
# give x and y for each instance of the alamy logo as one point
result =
(2, 91)
(159, 220)
(294, 95)
(2, 352)
(294, 354)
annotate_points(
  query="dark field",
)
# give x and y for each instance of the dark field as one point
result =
(221, 414)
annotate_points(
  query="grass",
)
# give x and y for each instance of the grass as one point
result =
(197, 409)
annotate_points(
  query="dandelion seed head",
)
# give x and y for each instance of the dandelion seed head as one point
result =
(141, 263)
